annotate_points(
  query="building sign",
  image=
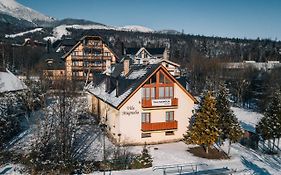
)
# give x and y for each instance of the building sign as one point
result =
(162, 102)
(130, 110)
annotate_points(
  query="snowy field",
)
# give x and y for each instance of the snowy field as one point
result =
(243, 160)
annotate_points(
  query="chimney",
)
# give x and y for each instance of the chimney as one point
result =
(107, 84)
(126, 64)
(117, 87)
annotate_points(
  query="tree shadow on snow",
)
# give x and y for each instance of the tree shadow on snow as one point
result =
(257, 170)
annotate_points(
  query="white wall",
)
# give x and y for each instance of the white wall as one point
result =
(130, 119)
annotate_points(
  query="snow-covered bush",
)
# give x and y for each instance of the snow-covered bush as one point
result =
(144, 160)
(9, 123)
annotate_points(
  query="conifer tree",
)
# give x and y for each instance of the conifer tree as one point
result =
(228, 122)
(270, 125)
(204, 131)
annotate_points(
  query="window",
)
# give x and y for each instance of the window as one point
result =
(106, 53)
(147, 93)
(153, 93)
(161, 92)
(74, 53)
(169, 116)
(145, 135)
(75, 63)
(161, 79)
(153, 79)
(75, 73)
(85, 63)
(168, 133)
(169, 92)
(159, 86)
(145, 117)
(96, 43)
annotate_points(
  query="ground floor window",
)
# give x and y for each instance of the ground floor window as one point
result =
(145, 135)
(169, 116)
(145, 117)
(168, 133)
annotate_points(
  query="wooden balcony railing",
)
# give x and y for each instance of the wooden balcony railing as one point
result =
(159, 126)
(150, 103)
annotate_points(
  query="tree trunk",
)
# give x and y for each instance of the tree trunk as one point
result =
(229, 146)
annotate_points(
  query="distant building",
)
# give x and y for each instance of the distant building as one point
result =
(33, 43)
(64, 45)
(91, 54)
(54, 66)
(146, 55)
(266, 66)
(141, 103)
(172, 67)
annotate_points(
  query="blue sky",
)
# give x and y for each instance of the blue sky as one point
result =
(226, 18)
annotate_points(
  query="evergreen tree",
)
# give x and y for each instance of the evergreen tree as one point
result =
(204, 131)
(228, 122)
(270, 125)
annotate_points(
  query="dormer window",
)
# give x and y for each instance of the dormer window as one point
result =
(50, 61)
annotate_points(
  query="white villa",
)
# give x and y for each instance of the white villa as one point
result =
(141, 104)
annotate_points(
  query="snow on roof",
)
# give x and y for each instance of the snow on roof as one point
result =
(137, 74)
(248, 119)
(9, 82)
(127, 84)
(110, 98)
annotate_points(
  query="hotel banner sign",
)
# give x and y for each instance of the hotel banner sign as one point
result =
(161, 102)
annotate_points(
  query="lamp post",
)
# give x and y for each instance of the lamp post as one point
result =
(103, 129)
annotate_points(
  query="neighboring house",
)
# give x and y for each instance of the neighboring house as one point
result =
(64, 45)
(54, 66)
(147, 55)
(90, 54)
(141, 104)
(172, 67)
(33, 43)
(9, 82)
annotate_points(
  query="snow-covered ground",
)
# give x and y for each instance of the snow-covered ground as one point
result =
(24, 33)
(248, 119)
(243, 160)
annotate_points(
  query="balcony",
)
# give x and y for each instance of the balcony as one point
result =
(151, 103)
(159, 126)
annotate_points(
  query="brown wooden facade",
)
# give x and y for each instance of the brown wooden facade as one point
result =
(91, 54)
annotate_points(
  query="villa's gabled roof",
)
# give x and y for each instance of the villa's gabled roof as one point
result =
(123, 87)
(80, 42)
